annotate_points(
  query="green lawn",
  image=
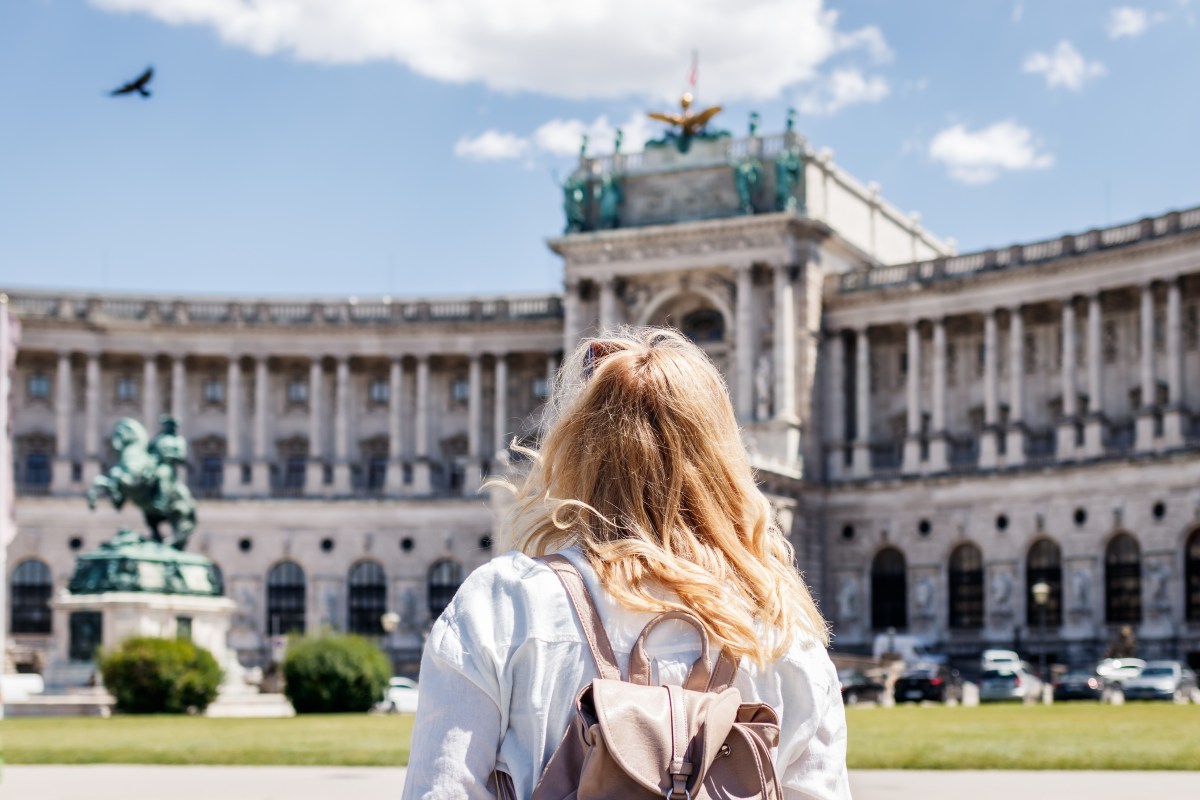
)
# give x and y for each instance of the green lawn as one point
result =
(1132, 736)
(1062, 736)
(342, 740)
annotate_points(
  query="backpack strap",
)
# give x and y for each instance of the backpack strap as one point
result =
(699, 678)
(585, 610)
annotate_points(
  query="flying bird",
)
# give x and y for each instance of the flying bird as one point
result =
(138, 85)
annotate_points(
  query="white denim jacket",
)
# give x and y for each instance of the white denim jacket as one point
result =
(506, 660)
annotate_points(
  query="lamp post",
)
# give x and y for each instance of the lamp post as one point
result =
(1041, 595)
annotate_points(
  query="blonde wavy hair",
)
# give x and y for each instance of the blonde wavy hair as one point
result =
(642, 465)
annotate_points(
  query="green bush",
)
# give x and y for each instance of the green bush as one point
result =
(330, 673)
(147, 675)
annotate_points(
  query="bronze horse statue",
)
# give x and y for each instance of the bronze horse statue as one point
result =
(145, 474)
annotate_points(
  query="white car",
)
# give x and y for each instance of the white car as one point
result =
(1119, 670)
(401, 696)
(999, 659)
(1010, 683)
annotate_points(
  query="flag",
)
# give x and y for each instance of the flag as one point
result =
(695, 69)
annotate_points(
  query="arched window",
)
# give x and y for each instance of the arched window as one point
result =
(1191, 571)
(285, 598)
(1044, 564)
(1123, 580)
(31, 589)
(889, 590)
(444, 579)
(966, 587)
(704, 325)
(368, 598)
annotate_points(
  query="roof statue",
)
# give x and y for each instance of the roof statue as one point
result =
(687, 125)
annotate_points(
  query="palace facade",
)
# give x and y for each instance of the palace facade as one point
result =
(937, 432)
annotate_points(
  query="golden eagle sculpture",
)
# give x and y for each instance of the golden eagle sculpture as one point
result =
(689, 123)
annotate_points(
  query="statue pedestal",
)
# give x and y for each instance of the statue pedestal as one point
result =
(91, 621)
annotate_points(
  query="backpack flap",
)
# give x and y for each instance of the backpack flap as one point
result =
(641, 726)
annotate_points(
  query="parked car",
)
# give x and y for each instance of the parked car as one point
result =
(1118, 670)
(401, 696)
(935, 682)
(1162, 680)
(1080, 684)
(1010, 683)
(998, 659)
(858, 688)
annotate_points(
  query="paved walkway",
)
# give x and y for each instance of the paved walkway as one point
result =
(321, 783)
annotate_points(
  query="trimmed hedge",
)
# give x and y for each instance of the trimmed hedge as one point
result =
(148, 675)
(330, 673)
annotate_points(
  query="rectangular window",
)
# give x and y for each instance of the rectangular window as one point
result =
(951, 364)
(1111, 341)
(293, 475)
(540, 388)
(980, 360)
(214, 392)
(38, 386)
(376, 473)
(1030, 354)
(212, 472)
(297, 392)
(460, 390)
(126, 389)
(37, 470)
(379, 392)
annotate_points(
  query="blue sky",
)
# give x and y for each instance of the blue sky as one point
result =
(404, 147)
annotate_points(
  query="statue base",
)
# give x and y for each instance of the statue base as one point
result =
(94, 622)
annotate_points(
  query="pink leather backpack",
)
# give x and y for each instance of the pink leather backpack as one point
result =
(629, 740)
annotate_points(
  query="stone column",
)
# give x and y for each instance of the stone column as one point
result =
(785, 345)
(261, 468)
(474, 467)
(1173, 417)
(314, 472)
(422, 483)
(572, 315)
(744, 344)
(64, 413)
(1015, 444)
(1093, 431)
(231, 480)
(912, 442)
(551, 371)
(862, 440)
(341, 428)
(610, 314)
(1070, 394)
(151, 402)
(500, 424)
(1145, 414)
(988, 445)
(835, 351)
(178, 393)
(395, 468)
(937, 440)
(91, 418)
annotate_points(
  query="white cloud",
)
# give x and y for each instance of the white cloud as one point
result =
(1064, 67)
(1018, 12)
(1131, 22)
(491, 145)
(980, 156)
(558, 137)
(618, 48)
(844, 87)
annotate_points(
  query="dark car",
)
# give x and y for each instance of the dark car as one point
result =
(936, 682)
(858, 688)
(1079, 684)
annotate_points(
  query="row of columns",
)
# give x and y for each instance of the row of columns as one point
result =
(609, 318)
(260, 457)
(921, 454)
